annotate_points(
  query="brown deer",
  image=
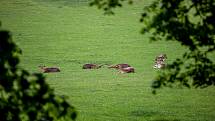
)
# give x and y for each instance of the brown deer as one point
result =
(126, 70)
(91, 66)
(123, 68)
(49, 69)
(119, 66)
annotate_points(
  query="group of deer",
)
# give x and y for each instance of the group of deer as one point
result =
(122, 68)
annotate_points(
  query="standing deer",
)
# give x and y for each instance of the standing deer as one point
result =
(160, 65)
(160, 61)
(162, 57)
(49, 69)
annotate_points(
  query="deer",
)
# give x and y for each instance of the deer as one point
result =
(91, 66)
(119, 66)
(123, 68)
(126, 70)
(160, 65)
(162, 57)
(45, 69)
(159, 61)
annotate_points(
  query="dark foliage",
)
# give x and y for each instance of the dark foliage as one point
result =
(25, 96)
(191, 23)
(108, 5)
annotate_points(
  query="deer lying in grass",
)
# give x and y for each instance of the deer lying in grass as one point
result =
(91, 66)
(123, 68)
(49, 69)
(119, 66)
(126, 70)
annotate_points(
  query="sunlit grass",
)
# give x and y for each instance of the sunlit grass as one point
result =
(67, 36)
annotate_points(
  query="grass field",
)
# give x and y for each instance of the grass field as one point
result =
(68, 34)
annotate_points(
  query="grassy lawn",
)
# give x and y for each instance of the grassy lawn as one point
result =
(68, 34)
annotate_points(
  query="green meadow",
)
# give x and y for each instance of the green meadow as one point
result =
(69, 33)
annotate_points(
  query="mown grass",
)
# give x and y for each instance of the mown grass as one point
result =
(68, 34)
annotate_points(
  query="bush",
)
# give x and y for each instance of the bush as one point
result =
(25, 96)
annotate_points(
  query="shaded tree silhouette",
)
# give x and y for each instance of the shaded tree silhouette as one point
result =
(189, 22)
(25, 96)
